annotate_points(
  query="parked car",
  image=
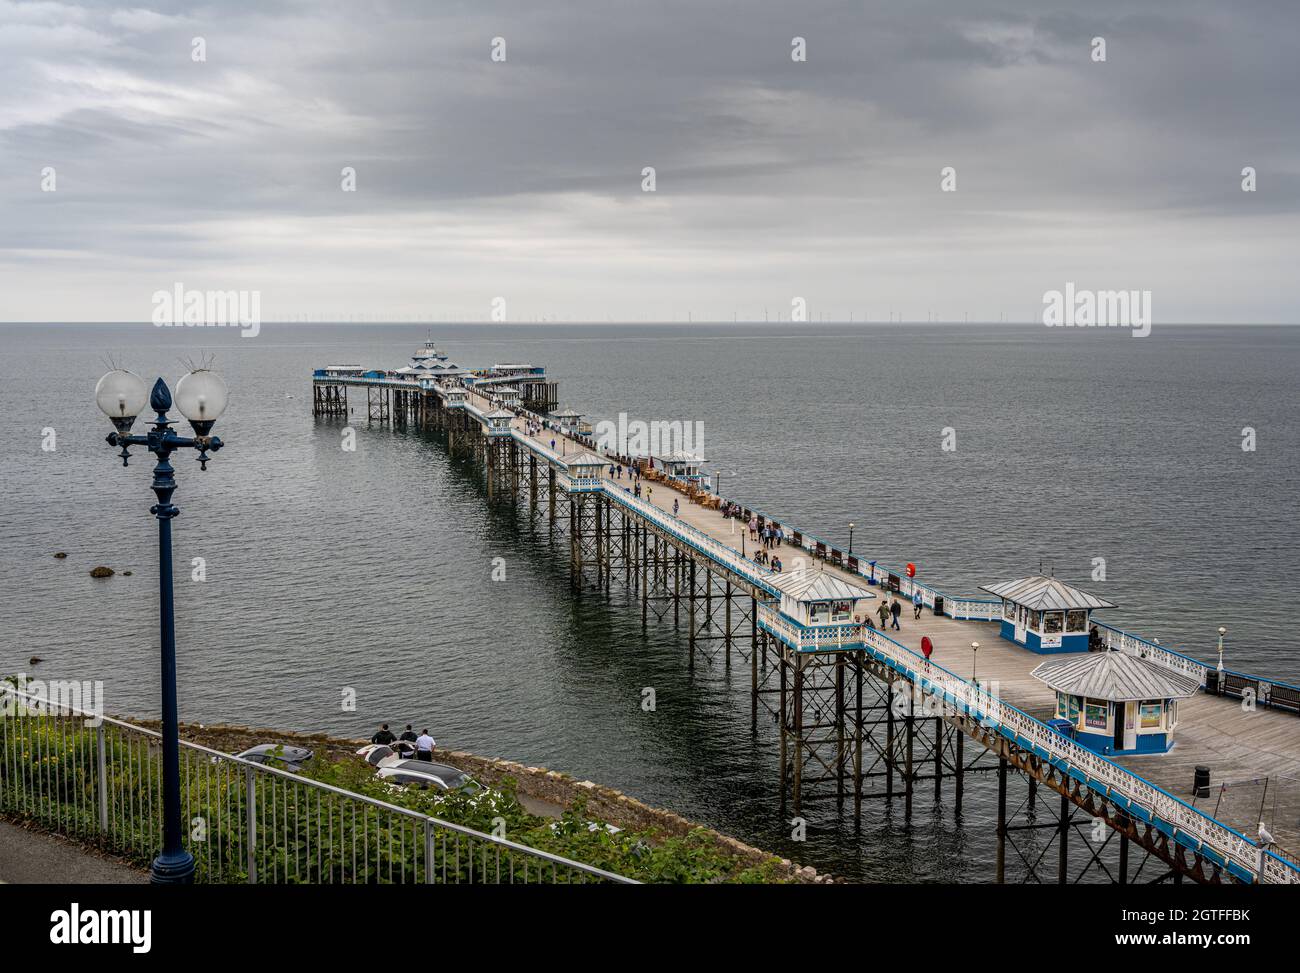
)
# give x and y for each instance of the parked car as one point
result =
(278, 755)
(381, 754)
(425, 774)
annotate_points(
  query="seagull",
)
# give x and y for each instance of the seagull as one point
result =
(1265, 839)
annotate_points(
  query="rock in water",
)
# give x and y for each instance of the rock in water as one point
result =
(101, 572)
(61, 555)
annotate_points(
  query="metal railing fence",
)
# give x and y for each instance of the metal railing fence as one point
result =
(244, 822)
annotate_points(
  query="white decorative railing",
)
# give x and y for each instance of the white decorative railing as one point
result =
(1241, 855)
(973, 609)
(809, 638)
(1126, 642)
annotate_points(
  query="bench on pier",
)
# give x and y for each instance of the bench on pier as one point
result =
(1266, 694)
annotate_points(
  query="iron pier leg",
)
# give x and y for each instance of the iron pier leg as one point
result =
(1062, 864)
(691, 613)
(889, 741)
(960, 771)
(798, 732)
(1002, 822)
(938, 758)
(911, 738)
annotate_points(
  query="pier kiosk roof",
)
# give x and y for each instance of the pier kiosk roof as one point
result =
(1116, 676)
(1045, 594)
(1113, 702)
(812, 585)
(1045, 615)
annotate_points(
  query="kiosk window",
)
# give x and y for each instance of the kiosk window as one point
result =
(1076, 621)
(1094, 715)
(1053, 622)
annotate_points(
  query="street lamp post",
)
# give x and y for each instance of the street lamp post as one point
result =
(1222, 632)
(201, 397)
(974, 654)
(850, 538)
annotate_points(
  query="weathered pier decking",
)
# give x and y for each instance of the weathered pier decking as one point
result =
(862, 713)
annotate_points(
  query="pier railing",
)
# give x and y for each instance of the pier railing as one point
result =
(755, 574)
(1180, 821)
(100, 781)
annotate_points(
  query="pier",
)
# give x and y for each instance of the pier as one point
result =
(866, 714)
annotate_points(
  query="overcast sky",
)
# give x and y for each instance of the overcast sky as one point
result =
(776, 179)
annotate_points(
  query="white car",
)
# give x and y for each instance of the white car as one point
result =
(382, 755)
(426, 774)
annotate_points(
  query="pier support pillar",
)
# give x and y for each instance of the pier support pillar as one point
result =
(1001, 866)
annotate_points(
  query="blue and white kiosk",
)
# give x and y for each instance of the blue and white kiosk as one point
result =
(498, 423)
(1045, 615)
(682, 465)
(817, 611)
(1115, 703)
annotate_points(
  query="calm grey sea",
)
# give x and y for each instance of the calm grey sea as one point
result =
(369, 570)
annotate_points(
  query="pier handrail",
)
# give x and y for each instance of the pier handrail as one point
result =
(1233, 850)
(429, 824)
(755, 574)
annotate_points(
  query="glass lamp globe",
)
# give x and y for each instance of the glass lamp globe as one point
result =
(201, 397)
(121, 395)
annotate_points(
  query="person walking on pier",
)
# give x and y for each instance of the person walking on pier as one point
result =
(424, 745)
(883, 611)
(383, 735)
(753, 528)
(895, 609)
(675, 508)
(917, 602)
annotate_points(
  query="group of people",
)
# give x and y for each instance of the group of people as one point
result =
(422, 743)
(773, 562)
(890, 609)
(769, 534)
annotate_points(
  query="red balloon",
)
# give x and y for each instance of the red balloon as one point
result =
(911, 570)
(927, 646)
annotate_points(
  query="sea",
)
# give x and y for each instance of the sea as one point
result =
(1159, 472)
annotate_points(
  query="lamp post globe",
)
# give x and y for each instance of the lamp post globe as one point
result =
(201, 397)
(1222, 632)
(121, 395)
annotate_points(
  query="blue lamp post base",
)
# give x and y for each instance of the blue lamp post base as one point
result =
(172, 868)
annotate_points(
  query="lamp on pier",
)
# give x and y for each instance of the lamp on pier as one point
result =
(851, 538)
(201, 397)
(1222, 632)
(974, 653)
